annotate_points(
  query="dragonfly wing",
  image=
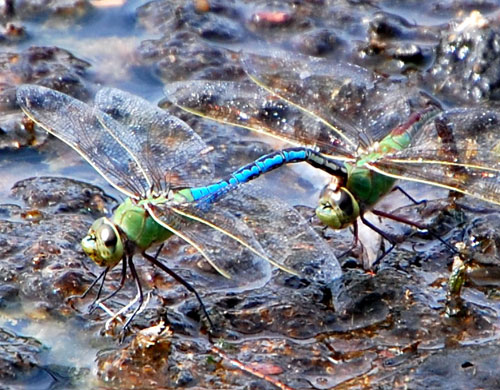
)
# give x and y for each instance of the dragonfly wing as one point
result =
(459, 150)
(318, 87)
(392, 106)
(243, 269)
(171, 152)
(286, 237)
(247, 105)
(86, 130)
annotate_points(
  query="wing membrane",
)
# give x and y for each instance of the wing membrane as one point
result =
(247, 105)
(242, 267)
(307, 83)
(89, 132)
(340, 95)
(285, 237)
(171, 152)
(458, 151)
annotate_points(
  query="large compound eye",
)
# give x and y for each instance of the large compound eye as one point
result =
(108, 236)
(103, 243)
(337, 207)
(344, 200)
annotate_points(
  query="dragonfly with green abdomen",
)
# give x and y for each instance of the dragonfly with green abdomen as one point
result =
(308, 103)
(159, 163)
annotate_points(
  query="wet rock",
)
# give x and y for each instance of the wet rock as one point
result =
(22, 362)
(143, 363)
(11, 33)
(385, 25)
(19, 357)
(472, 366)
(215, 20)
(63, 196)
(468, 61)
(450, 8)
(317, 42)
(158, 16)
(405, 44)
(269, 19)
(183, 55)
(49, 66)
(24, 9)
(41, 261)
(8, 296)
(219, 24)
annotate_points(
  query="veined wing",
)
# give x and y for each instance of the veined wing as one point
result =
(460, 151)
(241, 267)
(247, 105)
(172, 154)
(286, 238)
(342, 96)
(317, 87)
(86, 130)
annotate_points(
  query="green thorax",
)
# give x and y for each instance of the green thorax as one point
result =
(369, 186)
(138, 225)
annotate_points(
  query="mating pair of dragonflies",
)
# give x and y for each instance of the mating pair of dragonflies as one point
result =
(163, 167)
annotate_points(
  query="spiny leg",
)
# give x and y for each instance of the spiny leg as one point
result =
(109, 296)
(411, 198)
(409, 222)
(124, 309)
(397, 219)
(383, 234)
(102, 276)
(180, 280)
(414, 224)
(139, 291)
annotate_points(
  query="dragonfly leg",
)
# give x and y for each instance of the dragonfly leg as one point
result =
(180, 280)
(414, 224)
(411, 198)
(109, 296)
(139, 292)
(383, 234)
(102, 276)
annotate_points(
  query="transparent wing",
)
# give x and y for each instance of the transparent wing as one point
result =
(86, 130)
(286, 238)
(318, 87)
(172, 154)
(342, 96)
(460, 151)
(242, 267)
(247, 105)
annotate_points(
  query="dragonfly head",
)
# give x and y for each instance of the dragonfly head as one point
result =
(337, 206)
(103, 243)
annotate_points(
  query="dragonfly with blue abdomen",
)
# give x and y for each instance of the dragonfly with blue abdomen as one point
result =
(312, 104)
(159, 163)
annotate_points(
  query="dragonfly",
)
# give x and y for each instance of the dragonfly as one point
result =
(308, 103)
(157, 162)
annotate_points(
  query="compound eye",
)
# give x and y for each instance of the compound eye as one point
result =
(108, 236)
(344, 201)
